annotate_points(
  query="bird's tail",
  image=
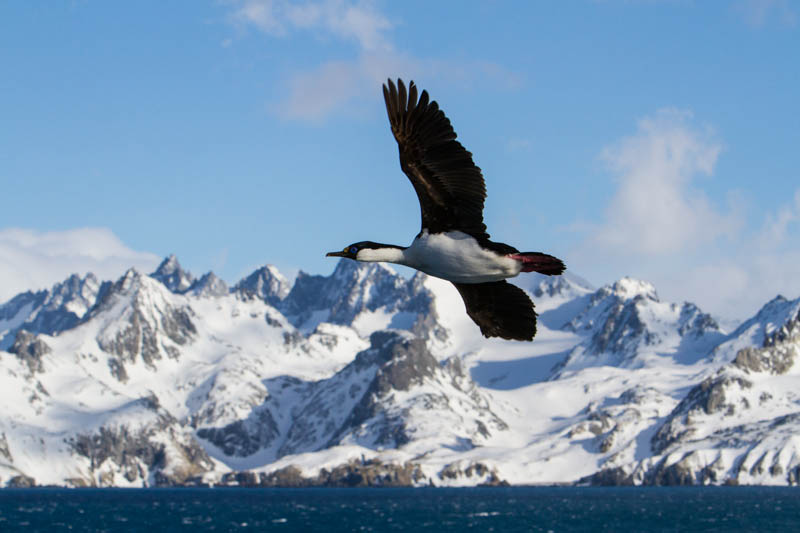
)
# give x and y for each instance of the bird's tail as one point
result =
(539, 262)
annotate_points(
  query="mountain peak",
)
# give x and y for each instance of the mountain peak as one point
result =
(628, 288)
(130, 278)
(771, 317)
(209, 285)
(367, 363)
(349, 269)
(170, 273)
(50, 311)
(266, 283)
(133, 286)
(566, 285)
(168, 265)
(353, 288)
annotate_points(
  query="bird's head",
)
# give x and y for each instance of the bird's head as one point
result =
(352, 251)
(367, 251)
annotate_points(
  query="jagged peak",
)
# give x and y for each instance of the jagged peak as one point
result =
(209, 285)
(49, 311)
(772, 315)
(127, 287)
(349, 274)
(566, 285)
(74, 282)
(348, 268)
(267, 283)
(351, 289)
(71, 279)
(269, 271)
(172, 275)
(132, 282)
(131, 277)
(9, 308)
(169, 265)
(777, 306)
(75, 294)
(273, 271)
(628, 288)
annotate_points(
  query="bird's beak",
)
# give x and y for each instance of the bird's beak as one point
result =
(336, 254)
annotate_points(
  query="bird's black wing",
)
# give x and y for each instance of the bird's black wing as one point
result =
(500, 309)
(450, 187)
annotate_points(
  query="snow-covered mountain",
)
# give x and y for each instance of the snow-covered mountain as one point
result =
(365, 377)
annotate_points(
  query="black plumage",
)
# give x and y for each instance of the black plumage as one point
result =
(451, 193)
(450, 187)
(500, 309)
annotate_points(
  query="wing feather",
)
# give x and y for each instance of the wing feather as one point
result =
(449, 185)
(500, 309)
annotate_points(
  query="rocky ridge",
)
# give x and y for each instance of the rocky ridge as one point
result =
(366, 378)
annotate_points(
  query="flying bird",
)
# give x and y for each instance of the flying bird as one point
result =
(453, 243)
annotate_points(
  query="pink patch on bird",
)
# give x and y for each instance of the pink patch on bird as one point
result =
(539, 262)
(528, 263)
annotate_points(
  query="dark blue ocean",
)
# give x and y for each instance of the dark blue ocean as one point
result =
(497, 509)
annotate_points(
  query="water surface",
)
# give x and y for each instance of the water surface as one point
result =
(497, 509)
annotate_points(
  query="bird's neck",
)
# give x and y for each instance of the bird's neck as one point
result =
(389, 254)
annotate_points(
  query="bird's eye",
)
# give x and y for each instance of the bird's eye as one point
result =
(354, 249)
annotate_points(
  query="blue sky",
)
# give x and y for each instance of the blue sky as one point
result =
(655, 139)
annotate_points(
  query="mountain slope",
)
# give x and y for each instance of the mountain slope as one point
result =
(366, 377)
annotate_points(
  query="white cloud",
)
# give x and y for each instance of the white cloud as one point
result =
(345, 19)
(774, 232)
(315, 94)
(656, 210)
(333, 86)
(661, 226)
(736, 281)
(338, 85)
(35, 260)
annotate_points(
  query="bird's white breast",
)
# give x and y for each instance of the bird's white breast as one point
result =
(457, 257)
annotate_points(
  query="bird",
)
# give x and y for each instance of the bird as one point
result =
(453, 243)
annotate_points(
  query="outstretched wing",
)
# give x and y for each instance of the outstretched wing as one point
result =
(450, 187)
(500, 309)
